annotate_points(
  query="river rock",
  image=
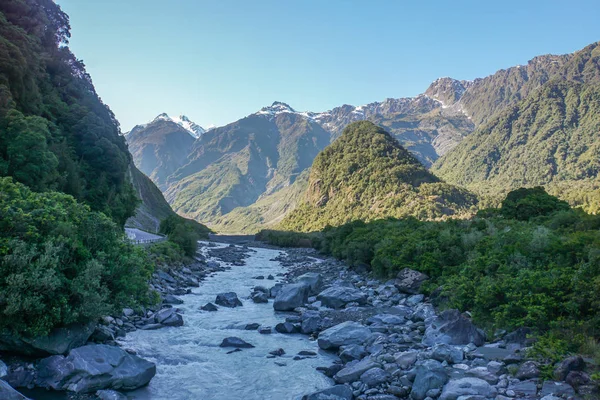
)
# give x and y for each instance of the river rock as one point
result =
(110, 395)
(343, 334)
(313, 280)
(168, 317)
(338, 296)
(430, 375)
(265, 330)
(352, 352)
(526, 389)
(375, 376)
(445, 352)
(577, 379)
(252, 326)
(467, 387)
(170, 299)
(235, 342)
(409, 281)
(311, 322)
(59, 341)
(352, 371)
(102, 334)
(95, 367)
(260, 297)
(228, 299)
(574, 363)
(290, 297)
(528, 370)
(451, 327)
(406, 359)
(337, 392)
(558, 389)
(209, 307)
(286, 327)
(8, 393)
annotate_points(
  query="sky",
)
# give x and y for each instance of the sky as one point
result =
(217, 61)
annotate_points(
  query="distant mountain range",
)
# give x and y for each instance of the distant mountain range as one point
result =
(239, 177)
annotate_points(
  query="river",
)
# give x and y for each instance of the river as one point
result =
(191, 365)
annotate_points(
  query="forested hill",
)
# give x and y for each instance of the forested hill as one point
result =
(366, 174)
(55, 132)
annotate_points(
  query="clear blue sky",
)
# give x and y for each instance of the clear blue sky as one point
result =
(219, 60)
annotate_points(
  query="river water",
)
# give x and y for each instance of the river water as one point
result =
(191, 365)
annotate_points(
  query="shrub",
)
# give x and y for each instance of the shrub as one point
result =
(62, 263)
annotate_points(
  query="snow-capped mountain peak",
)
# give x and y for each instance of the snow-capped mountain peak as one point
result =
(194, 129)
(276, 108)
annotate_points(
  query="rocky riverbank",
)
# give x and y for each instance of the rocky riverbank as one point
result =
(391, 342)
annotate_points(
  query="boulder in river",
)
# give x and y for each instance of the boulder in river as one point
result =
(170, 299)
(353, 371)
(8, 393)
(291, 296)
(343, 334)
(409, 281)
(168, 317)
(95, 367)
(286, 327)
(228, 299)
(451, 327)
(338, 296)
(235, 342)
(337, 392)
(260, 297)
(110, 395)
(209, 307)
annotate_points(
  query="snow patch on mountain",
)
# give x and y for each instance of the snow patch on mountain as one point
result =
(194, 129)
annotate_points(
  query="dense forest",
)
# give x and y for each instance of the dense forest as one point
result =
(534, 262)
(66, 186)
(366, 174)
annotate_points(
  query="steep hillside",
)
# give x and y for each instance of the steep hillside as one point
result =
(153, 207)
(365, 174)
(160, 147)
(234, 165)
(551, 138)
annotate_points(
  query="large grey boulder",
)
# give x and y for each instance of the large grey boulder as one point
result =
(8, 393)
(58, 341)
(228, 299)
(311, 279)
(291, 296)
(528, 370)
(95, 367)
(445, 352)
(375, 376)
(337, 392)
(430, 375)
(451, 327)
(467, 387)
(168, 317)
(339, 296)
(236, 342)
(343, 334)
(409, 281)
(573, 363)
(558, 389)
(352, 371)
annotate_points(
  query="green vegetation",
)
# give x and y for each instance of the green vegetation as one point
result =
(550, 138)
(55, 133)
(62, 263)
(533, 262)
(364, 175)
(184, 233)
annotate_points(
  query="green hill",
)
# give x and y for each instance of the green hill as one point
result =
(366, 174)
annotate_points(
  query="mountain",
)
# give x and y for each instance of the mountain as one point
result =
(233, 166)
(160, 147)
(366, 174)
(551, 136)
